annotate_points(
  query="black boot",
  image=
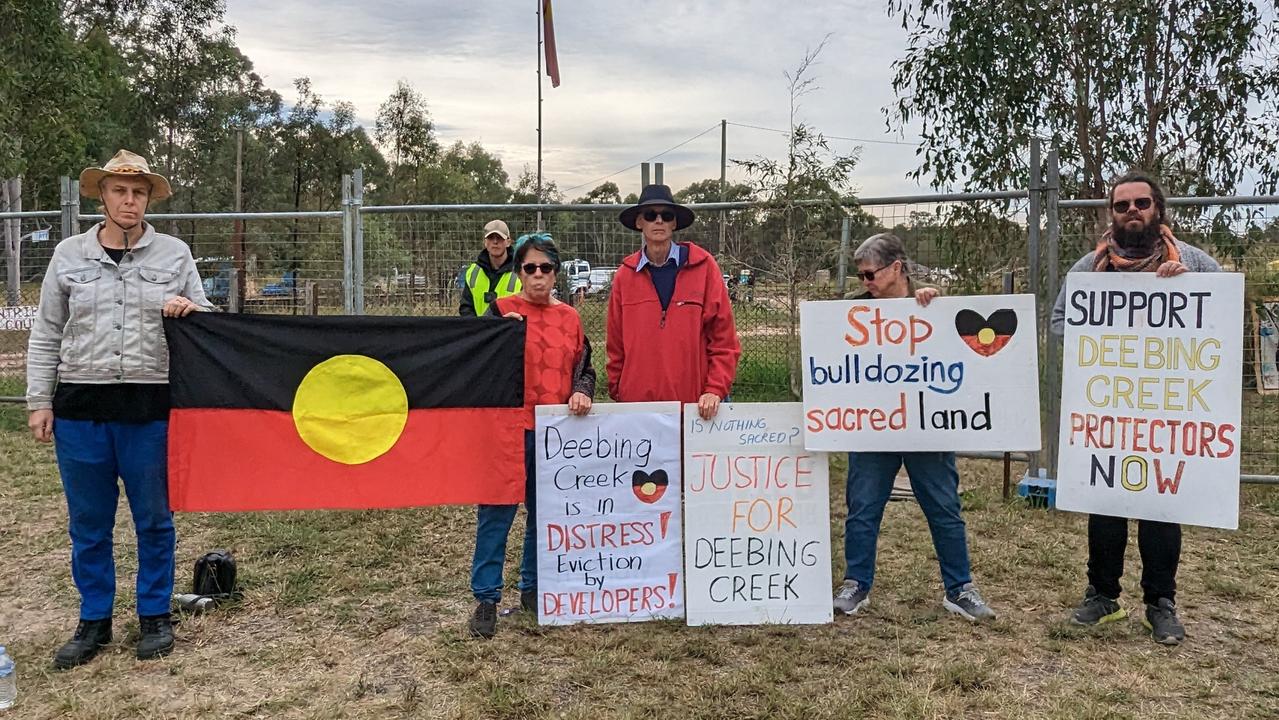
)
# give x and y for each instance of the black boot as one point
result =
(484, 620)
(157, 637)
(90, 636)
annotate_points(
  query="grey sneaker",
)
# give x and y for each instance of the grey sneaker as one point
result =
(1097, 609)
(967, 603)
(851, 597)
(1161, 620)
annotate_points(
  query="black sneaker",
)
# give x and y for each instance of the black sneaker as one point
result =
(157, 637)
(484, 620)
(90, 636)
(528, 601)
(1161, 620)
(1097, 609)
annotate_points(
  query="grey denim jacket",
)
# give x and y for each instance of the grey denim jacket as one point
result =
(100, 322)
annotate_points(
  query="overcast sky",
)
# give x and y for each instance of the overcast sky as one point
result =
(637, 77)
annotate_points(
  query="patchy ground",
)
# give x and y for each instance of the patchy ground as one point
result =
(362, 615)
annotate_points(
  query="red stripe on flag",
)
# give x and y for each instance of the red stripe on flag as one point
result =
(233, 460)
(548, 37)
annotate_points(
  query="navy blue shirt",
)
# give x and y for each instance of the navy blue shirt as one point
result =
(663, 276)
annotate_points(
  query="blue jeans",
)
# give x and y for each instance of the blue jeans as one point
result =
(493, 524)
(91, 456)
(935, 481)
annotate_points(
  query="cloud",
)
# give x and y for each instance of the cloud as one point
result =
(638, 78)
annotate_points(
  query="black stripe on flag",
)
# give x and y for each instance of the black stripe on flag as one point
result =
(227, 360)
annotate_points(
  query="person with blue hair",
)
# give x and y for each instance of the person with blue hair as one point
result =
(557, 370)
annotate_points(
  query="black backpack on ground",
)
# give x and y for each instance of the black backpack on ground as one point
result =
(215, 575)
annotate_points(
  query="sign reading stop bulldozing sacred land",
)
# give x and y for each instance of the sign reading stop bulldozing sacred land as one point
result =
(608, 514)
(1150, 397)
(758, 550)
(960, 374)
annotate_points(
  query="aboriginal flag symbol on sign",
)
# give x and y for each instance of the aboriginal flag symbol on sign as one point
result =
(287, 413)
(986, 335)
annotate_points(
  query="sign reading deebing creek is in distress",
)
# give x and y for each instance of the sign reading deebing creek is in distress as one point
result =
(960, 374)
(759, 550)
(608, 514)
(1150, 397)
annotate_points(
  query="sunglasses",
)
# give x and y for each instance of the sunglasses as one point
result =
(1121, 206)
(869, 275)
(665, 215)
(532, 268)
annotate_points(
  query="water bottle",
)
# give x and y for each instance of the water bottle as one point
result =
(8, 680)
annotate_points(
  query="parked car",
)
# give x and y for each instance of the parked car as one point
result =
(576, 274)
(286, 286)
(600, 280)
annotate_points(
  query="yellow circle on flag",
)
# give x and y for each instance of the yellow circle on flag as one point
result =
(648, 488)
(350, 409)
(986, 336)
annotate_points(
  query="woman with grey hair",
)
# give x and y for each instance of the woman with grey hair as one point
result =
(882, 265)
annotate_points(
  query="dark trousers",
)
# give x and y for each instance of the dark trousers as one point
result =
(1160, 546)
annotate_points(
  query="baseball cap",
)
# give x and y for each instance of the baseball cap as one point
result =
(499, 227)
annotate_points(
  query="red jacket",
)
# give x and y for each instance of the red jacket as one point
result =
(679, 354)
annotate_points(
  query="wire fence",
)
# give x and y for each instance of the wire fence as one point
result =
(407, 261)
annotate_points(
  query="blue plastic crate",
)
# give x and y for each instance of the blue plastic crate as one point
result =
(1038, 491)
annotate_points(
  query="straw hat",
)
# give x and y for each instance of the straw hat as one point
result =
(124, 163)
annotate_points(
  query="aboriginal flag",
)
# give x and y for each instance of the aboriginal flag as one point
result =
(290, 413)
(986, 335)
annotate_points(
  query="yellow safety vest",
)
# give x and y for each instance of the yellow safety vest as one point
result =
(477, 282)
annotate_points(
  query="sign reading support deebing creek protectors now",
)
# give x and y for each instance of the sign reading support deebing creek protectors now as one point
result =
(1150, 397)
(960, 374)
(608, 514)
(759, 550)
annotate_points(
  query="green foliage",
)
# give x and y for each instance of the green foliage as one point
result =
(1186, 89)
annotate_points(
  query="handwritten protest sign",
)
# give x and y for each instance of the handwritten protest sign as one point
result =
(608, 514)
(759, 551)
(960, 374)
(1150, 397)
(19, 317)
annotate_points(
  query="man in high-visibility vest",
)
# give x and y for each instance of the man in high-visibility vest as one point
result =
(492, 275)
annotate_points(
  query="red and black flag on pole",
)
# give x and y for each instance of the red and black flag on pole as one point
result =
(291, 413)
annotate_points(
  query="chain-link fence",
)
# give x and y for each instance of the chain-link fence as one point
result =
(407, 261)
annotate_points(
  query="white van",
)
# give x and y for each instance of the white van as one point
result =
(576, 274)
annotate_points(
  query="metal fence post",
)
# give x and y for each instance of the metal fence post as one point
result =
(357, 235)
(845, 230)
(348, 247)
(1034, 212)
(1052, 415)
(70, 207)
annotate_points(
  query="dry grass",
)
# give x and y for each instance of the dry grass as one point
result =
(361, 615)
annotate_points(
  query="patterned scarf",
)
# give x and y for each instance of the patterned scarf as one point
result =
(1109, 257)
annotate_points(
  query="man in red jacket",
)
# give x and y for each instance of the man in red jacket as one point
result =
(670, 324)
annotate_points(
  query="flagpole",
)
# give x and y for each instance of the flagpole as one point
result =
(539, 112)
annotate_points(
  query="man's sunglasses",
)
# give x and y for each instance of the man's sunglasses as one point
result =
(665, 215)
(869, 275)
(1121, 206)
(532, 268)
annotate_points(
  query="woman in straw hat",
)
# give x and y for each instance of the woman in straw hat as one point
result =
(97, 381)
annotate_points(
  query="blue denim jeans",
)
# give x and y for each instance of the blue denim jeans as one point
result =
(493, 524)
(91, 457)
(935, 481)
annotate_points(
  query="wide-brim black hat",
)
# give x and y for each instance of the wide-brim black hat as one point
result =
(657, 195)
